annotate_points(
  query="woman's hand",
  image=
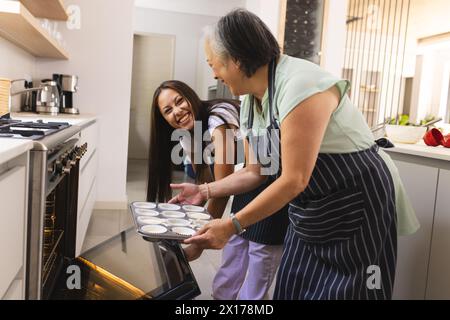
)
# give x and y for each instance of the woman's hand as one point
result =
(189, 194)
(214, 235)
(192, 252)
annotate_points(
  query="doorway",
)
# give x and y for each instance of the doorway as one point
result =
(153, 63)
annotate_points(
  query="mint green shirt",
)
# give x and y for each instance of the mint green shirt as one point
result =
(347, 131)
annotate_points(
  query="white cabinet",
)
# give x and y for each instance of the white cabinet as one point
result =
(15, 291)
(13, 211)
(423, 261)
(87, 182)
(439, 272)
(420, 182)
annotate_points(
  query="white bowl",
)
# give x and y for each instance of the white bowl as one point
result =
(405, 134)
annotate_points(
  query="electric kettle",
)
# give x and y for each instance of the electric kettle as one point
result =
(48, 97)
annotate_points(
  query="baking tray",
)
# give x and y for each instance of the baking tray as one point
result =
(157, 221)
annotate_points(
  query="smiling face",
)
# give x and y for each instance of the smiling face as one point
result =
(175, 109)
(226, 71)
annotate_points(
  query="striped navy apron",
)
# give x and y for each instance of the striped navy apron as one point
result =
(341, 242)
(342, 228)
(271, 230)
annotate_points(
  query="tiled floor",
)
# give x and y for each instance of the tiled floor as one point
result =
(105, 223)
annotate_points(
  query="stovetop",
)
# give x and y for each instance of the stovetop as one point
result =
(31, 130)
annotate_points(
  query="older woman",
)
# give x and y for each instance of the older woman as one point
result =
(341, 189)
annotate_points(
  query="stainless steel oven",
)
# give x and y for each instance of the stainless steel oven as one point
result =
(52, 216)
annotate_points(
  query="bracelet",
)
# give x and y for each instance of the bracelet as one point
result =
(207, 190)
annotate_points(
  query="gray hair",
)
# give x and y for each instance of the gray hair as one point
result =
(244, 37)
(211, 36)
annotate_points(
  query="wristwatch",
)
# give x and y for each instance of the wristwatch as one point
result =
(237, 225)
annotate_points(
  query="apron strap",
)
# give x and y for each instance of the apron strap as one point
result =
(271, 92)
(273, 126)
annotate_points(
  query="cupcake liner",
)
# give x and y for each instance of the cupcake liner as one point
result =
(173, 214)
(175, 222)
(168, 206)
(184, 231)
(153, 229)
(146, 212)
(189, 207)
(198, 216)
(150, 220)
(144, 205)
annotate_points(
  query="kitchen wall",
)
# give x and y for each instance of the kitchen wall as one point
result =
(334, 36)
(187, 29)
(268, 11)
(101, 55)
(200, 7)
(15, 63)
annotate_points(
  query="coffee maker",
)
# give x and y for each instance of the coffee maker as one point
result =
(68, 86)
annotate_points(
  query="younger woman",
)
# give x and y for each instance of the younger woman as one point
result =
(249, 260)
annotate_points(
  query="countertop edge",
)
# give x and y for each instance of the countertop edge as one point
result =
(9, 149)
(421, 150)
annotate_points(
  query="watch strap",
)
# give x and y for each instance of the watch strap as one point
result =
(236, 224)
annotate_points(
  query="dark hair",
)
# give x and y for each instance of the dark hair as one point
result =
(247, 39)
(160, 166)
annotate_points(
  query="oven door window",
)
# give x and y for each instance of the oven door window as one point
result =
(128, 267)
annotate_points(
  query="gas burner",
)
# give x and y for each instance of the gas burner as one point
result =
(33, 130)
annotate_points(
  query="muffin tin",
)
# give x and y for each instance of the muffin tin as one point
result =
(168, 221)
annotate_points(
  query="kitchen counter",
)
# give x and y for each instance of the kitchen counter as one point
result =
(81, 120)
(422, 150)
(11, 148)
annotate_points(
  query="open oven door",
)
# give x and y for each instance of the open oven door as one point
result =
(127, 267)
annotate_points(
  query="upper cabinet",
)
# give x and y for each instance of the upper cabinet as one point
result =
(20, 26)
(50, 9)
